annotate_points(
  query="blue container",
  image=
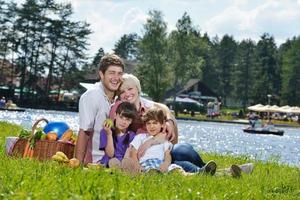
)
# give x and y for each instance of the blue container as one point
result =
(57, 127)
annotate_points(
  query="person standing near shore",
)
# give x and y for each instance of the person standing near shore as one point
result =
(94, 107)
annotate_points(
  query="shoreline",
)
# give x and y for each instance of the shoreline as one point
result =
(238, 121)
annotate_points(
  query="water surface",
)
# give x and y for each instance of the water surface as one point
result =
(223, 138)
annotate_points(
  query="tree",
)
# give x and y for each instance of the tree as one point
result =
(184, 53)
(98, 57)
(243, 73)
(209, 71)
(152, 67)
(226, 53)
(267, 72)
(126, 47)
(290, 72)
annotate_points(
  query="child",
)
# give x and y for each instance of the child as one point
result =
(157, 157)
(115, 140)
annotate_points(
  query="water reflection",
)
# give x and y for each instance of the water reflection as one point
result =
(205, 136)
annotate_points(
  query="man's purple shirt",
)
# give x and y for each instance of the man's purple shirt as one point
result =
(120, 147)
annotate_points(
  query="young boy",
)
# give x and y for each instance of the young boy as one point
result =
(158, 156)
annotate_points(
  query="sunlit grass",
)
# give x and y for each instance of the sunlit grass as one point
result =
(31, 179)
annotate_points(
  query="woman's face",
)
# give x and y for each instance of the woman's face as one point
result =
(129, 94)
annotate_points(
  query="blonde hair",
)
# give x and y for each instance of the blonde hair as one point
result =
(130, 80)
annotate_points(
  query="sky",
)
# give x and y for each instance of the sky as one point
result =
(243, 19)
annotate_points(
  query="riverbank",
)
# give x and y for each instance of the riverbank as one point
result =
(222, 119)
(24, 178)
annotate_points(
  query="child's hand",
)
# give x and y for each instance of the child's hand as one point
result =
(107, 128)
(164, 167)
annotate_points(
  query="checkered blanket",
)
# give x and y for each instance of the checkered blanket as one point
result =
(151, 164)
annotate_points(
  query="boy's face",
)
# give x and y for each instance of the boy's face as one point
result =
(154, 127)
(112, 77)
(122, 123)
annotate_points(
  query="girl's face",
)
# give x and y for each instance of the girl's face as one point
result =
(129, 94)
(122, 123)
(154, 127)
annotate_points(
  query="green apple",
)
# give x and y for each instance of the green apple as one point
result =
(109, 122)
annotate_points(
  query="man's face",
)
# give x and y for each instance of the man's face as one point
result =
(112, 77)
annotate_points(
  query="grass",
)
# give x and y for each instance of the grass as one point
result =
(32, 179)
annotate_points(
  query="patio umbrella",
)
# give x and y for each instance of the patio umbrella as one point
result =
(268, 108)
(256, 107)
(284, 109)
(295, 110)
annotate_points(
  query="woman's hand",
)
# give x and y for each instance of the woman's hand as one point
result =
(169, 129)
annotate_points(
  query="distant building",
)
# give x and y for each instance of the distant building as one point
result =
(195, 89)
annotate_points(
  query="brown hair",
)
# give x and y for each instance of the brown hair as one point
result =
(154, 114)
(108, 60)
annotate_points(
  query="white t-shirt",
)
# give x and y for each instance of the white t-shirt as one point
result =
(155, 151)
(94, 108)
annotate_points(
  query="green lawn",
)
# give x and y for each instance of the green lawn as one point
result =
(31, 179)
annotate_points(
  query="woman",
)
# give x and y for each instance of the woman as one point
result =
(130, 91)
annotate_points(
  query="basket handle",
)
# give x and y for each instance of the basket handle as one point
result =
(35, 125)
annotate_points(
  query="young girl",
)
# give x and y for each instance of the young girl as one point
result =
(115, 140)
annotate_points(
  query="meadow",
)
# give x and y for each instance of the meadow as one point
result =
(32, 179)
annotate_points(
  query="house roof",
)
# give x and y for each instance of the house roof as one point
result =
(188, 85)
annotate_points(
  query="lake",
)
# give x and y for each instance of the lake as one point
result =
(221, 138)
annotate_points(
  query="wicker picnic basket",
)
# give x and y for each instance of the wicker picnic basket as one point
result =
(44, 149)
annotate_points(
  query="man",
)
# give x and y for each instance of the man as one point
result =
(94, 106)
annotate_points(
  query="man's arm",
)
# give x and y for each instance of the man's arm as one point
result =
(81, 144)
(167, 162)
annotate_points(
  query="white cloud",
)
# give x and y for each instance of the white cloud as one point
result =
(279, 18)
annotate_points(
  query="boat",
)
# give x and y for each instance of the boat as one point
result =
(273, 131)
(18, 109)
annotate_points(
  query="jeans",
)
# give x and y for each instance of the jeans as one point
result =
(188, 166)
(185, 152)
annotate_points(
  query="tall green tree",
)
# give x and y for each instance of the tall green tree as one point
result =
(226, 53)
(152, 67)
(291, 72)
(267, 72)
(209, 71)
(184, 56)
(243, 73)
(126, 46)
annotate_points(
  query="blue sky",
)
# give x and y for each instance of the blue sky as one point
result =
(242, 19)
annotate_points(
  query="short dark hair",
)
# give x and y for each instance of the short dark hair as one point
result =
(108, 60)
(127, 109)
(154, 114)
